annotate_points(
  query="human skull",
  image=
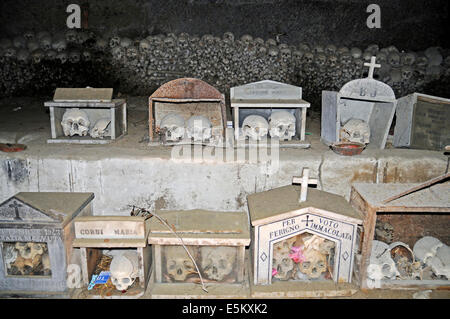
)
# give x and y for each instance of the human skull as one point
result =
(124, 270)
(407, 72)
(144, 46)
(86, 55)
(74, 56)
(51, 55)
(45, 42)
(59, 44)
(345, 58)
(75, 122)
(199, 128)
(342, 50)
(117, 52)
(381, 264)
(101, 128)
(308, 57)
(173, 126)
(315, 263)
(29, 35)
(356, 130)
(178, 264)
(29, 250)
(71, 36)
(282, 264)
(356, 52)
(373, 49)
(303, 47)
(394, 59)
(282, 125)
(32, 45)
(217, 262)
(320, 59)
(273, 51)
(408, 58)
(255, 127)
(23, 55)
(422, 61)
(286, 53)
(125, 42)
(114, 41)
(229, 36)
(332, 61)
(62, 57)
(330, 49)
(37, 56)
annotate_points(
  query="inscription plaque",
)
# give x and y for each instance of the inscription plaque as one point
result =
(431, 124)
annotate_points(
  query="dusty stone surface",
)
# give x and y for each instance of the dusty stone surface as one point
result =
(129, 172)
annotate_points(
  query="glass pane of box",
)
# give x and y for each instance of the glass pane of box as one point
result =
(216, 263)
(26, 259)
(303, 257)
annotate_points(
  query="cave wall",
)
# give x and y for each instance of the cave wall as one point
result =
(409, 25)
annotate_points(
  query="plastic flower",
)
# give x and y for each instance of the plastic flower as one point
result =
(274, 272)
(297, 254)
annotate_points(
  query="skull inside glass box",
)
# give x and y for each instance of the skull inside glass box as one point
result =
(216, 264)
(26, 259)
(303, 257)
(410, 247)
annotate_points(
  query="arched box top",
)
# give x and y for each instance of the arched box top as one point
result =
(367, 89)
(187, 89)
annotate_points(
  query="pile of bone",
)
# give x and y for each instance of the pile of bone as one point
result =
(428, 260)
(304, 257)
(76, 122)
(215, 263)
(221, 61)
(26, 259)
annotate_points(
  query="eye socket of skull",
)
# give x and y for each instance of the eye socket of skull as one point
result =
(386, 269)
(172, 264)
(126, 280)
(286, 261)
(306, 264)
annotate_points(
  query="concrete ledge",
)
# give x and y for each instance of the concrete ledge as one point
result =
(128, 172)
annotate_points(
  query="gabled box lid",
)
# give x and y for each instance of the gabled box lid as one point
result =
(280, 203)
(200, 227)
(43, 207)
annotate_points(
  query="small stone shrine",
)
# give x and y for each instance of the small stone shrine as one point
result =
(36, 232)
(362, 111)
(406, 238)
(269, 109)
(86, 116)
(186, 110)
(423, 122)
(118, 245)
(304, 242)
(215, 240)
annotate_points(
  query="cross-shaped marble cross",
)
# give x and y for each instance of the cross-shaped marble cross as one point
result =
(16, 206)
(304, 181)
(372, 65)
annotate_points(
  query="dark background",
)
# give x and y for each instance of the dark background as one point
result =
(407, 24)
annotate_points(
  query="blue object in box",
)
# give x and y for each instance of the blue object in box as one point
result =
(100, 279)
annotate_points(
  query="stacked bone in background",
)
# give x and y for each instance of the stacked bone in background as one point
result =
(38, 62)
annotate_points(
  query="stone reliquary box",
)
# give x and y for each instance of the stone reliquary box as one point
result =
(36, 233)
(86, 116)
(302, 249)
(117, 244)
(215, 240)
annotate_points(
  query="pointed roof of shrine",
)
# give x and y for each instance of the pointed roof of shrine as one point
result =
(282, 202)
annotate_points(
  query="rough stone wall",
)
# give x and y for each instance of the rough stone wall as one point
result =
(410, 25)
(37, 63)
